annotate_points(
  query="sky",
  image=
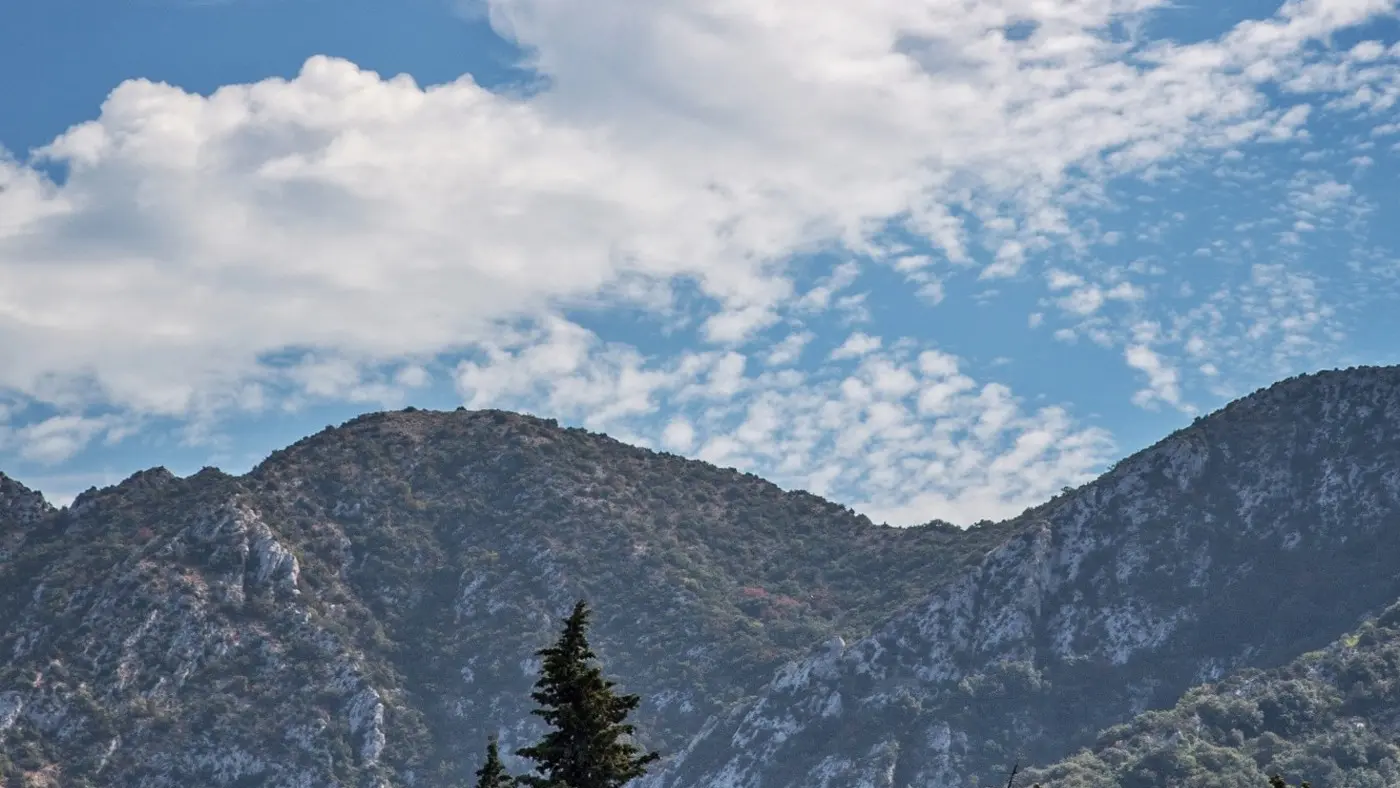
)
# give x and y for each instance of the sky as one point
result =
(927, 258)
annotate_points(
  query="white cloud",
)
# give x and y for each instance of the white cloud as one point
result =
(678, 436)
(1163, 380)
(789, 349)
(1272, 323)
(726, 378)
(1125, 291)
(369, 218)
(931, 290)
(338, 379)
(855, 346)
(1084, 301)
(567, 370)
(915, 269)
(412, 376)
(737, 324)
(55, 439)
(339, 234)
(1057, 279)
(904, 436)
(819, 298)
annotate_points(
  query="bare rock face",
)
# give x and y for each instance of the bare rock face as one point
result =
(361, 609)
(20, 505)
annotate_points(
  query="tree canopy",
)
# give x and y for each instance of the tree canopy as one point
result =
(590, 743)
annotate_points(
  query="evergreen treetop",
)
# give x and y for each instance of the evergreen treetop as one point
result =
(590, 742)
(493, 774)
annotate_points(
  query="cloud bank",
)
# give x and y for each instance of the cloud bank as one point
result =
(332, 234)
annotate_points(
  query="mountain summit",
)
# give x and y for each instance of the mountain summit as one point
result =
(20, 505)
(360, 608)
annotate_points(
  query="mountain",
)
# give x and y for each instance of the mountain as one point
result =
(1259, 533)
(361, 608)
(363, 605)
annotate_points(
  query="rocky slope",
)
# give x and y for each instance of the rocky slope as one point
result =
(1258, 533)
(361, 608)
(1331, 717)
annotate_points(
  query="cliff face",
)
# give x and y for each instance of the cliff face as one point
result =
(362, 608)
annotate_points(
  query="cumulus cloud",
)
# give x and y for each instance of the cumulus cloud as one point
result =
(904, 434)
(1163, 380)
(789, 349)
(369, 218)
(855, 346)
(57, 438)
(678, 435)
(567, 369)
(328, 235)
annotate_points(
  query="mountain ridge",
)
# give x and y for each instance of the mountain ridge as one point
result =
(1030, 616)
(378, 587)
(359, 540)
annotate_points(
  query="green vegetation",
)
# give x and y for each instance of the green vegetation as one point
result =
(589, 744)
(435, 550)
(492, 773)
(1329, 716)
(404, 525)
(723, 575)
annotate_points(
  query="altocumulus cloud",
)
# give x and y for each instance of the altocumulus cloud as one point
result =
(208, 255)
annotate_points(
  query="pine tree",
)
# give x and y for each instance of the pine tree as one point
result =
(590, 744)
(493, 774)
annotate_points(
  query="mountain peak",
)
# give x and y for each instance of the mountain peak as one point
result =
(1342, 408)
(499, 442)
(19, 504)
(1360, 386)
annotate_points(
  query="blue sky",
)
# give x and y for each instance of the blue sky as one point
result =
(928, 262)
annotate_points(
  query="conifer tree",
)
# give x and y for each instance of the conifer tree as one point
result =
(590, 743)
(493, 774)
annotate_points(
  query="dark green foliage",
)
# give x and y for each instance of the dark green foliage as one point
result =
(492, 773)
(589, 744)
(1326, 716)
